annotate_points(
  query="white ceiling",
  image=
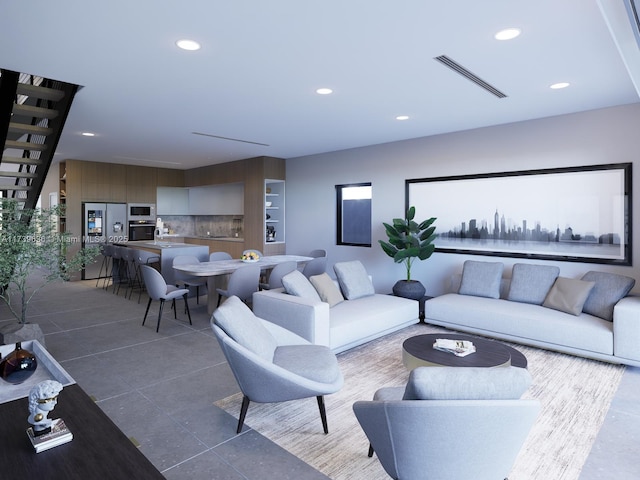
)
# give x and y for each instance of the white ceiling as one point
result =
(255, 77)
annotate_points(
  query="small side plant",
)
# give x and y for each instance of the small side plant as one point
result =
(33, 254)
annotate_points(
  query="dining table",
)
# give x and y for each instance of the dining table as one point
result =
(217, 271)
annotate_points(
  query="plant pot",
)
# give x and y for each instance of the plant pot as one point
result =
(412, 289)
(21, 332)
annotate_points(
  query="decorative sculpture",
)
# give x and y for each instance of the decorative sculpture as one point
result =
(43, 398)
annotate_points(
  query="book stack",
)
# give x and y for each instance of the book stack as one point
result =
(58, 435)
(460, 348)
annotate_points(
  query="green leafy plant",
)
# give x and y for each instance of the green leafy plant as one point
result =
(33, 254)
(409, 240)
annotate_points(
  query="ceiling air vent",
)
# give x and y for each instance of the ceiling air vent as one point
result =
(456, 67)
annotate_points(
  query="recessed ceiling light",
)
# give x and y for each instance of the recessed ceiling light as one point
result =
(190, 45)
(402, 117)
(507, 34)
(558, 86)
(324, 91)
(88, 134)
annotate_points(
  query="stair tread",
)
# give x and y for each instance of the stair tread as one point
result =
(37, 91)
(25, 145)
(17, 127)
(31, 111)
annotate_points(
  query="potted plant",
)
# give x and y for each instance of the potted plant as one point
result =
(408, 241)
(32, 255)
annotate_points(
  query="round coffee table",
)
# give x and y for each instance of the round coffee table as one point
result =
(418, 351)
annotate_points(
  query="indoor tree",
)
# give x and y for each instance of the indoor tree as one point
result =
(33, 253)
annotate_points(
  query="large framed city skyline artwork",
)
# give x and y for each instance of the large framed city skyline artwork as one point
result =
(576, 214)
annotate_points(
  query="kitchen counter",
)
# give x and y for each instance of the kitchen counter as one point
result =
(168, 251)
(222, 239)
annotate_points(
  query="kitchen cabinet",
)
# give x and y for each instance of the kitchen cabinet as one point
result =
(223, 199)
(274, 203)
(172, 201)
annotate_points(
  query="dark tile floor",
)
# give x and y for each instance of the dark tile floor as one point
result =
(159, 388)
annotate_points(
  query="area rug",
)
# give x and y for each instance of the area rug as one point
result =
(575, 394)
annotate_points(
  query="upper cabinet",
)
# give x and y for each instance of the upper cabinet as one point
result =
(274, 202)
(172, 201)
(224, 199)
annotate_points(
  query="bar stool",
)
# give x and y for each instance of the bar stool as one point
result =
(105, 251)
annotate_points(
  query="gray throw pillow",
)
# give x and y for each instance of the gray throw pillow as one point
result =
(295, 283)
(469, 383)
(353, 279)
(481, 279)
(568, 295)
(327, 290)
(531, 283)
(609, 289)
(239, 322)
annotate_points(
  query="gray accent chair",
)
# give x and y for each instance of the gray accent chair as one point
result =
(157, 289)
(272, 364)
(450, 423)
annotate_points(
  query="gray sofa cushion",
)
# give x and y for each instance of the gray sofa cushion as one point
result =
(327, 289)
(353, 279)
(608, 290)
(568, 295)
(295, 283)
(531, 283)
(481, 279)
(470, 383)
(239, 322)
(315, 362)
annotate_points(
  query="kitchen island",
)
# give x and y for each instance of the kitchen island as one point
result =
(167, 251)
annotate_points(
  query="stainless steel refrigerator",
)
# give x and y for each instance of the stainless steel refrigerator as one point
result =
(102, 223)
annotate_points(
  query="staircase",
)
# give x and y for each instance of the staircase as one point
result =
(33, 111)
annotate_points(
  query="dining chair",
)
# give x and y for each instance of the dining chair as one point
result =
(242, 283)
(279, 271)
(143, 257)
(157, 289)
(186, 279)
(315, 267)
(216, 256)
(318, 253)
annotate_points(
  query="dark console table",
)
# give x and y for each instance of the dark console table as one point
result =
(99, 449)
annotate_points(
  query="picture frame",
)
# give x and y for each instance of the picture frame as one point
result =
(574, 214)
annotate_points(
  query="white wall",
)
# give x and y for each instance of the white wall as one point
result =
(597, 137)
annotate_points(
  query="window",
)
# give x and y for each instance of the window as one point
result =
(354, 214)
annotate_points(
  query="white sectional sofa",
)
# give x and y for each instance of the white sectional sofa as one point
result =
(592, 317)
(320, 316)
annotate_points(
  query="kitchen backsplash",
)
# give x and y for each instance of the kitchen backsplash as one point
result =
(205, 225)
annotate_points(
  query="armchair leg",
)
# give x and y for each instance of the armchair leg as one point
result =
(370, 454)
(323, 413)
(243, 412)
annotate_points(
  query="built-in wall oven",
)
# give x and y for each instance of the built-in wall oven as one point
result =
(142, 221)
(141, 230)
